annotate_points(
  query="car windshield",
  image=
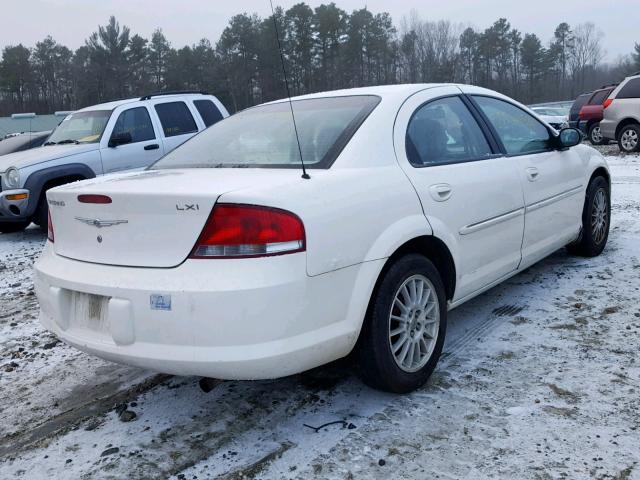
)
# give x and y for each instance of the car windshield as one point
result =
(80, 127)
(264, 136)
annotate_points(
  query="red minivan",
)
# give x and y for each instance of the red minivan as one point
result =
(591, 114)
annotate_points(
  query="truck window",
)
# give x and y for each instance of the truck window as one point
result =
(208, 111)
(176, 118)
(137, 122)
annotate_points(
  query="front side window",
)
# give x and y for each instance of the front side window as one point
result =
(631, 89)
(137, 122)
(263, 136)
(176, 119)
(81, 127)
(208, 111)
(519, 132)
(444, 131)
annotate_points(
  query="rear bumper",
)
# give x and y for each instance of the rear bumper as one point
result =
(14, 210)
(229, 319)
(608, 129)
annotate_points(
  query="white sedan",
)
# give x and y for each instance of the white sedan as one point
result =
(222, 260)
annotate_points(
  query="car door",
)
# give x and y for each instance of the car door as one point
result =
(470, 193)
(552, 179)
(144, 148)
(177, 121)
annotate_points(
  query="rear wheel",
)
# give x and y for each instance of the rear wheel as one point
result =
(596, 216)
(404, 331)
(629, 138)
(595, 135)
(12, 227)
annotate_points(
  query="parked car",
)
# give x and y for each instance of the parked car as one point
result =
(621, 116)
(553, 116)
(223, 260)
(110, 137)
(574, 112)
(591, 114)
(22, 142)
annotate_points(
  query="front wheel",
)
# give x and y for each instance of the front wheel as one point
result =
(596, 216)
(629, 138)
(404, 331)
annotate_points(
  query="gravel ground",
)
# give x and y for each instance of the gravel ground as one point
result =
(540, 379)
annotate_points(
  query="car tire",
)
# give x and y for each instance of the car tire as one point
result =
(41, 216)
(595, 135)
(421, 322)
(12, 227)
(596, 219)
(629, 138)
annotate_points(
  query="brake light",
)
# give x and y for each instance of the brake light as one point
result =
(50, 235)
(607, 102)
(235, 230)
(94, 199)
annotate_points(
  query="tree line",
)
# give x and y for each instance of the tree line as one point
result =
(323, 49)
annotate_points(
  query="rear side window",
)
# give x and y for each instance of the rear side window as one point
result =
(176, 119)
(444, 131)
(630, 90)
(519, 132)
(208, 111)
(137, 122)
(599, 97)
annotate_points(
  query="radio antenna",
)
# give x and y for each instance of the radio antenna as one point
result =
(305, 175)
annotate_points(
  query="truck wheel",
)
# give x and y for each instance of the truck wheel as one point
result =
(403, 334)
(41, 216)
(595, 135)
(629, 138)
(12, 227)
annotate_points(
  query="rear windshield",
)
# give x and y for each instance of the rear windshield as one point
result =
(578, 103)
(264, 136)
(599, 97)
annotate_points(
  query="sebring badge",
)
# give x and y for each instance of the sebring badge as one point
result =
(94, 222)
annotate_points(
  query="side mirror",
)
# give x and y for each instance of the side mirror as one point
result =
(569, 137)
(120, 139)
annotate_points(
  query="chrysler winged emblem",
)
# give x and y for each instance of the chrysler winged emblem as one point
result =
(95, 222)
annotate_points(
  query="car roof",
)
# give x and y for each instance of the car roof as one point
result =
(117, 103)
(379, 90)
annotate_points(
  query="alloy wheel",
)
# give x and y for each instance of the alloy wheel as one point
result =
(596, 135)
(599, 216)
(629, 140)
(414, 321)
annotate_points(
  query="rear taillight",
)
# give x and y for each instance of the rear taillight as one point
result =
(234, 231)
(50, 236)
(607, 102)
(94, 199)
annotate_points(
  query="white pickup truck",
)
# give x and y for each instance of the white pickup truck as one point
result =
(110, 137)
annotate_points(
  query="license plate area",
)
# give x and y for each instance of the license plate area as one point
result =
(89, 312)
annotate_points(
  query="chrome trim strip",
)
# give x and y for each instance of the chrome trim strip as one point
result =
(555, 198)
(474, 227)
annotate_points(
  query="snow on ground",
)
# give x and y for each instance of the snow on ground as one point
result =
(540, 379)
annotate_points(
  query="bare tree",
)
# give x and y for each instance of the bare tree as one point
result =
(586, 52)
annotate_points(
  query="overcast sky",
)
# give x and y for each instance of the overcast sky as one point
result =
(184, 22)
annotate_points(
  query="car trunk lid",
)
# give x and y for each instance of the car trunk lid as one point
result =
(152, 219)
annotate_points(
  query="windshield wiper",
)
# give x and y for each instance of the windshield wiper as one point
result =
(68, 140)
(46, 144)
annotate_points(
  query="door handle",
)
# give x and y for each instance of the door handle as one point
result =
(153, 146)
(532, 174)
(440, 192)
